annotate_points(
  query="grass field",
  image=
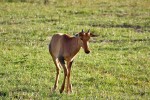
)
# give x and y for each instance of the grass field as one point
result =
(118, 68)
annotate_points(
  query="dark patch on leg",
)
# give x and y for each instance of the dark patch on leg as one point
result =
(62, 60)
(70, 64)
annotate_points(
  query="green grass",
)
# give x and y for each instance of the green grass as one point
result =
(117, 68)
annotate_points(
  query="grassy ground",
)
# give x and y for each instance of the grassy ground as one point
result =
(117, 68)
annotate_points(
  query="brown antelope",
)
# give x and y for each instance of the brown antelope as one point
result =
(64, 48)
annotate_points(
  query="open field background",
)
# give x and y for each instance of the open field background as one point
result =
(117, 68)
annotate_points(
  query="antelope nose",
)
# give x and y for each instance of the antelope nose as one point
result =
(87, 52)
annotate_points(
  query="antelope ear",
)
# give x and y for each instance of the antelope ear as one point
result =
(82, 31)
(88, 31)
(93, 35)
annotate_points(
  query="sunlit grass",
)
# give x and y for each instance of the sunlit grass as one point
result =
(116, 68)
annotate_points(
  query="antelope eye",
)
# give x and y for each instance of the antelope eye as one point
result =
(81, 38)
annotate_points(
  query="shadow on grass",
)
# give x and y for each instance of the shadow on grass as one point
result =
(114, 49)
(2, 74)
(132, 40)
(3, 94)
(120, 41)
(124, 25)
(55, 95)
(137, 28)
(122, 48)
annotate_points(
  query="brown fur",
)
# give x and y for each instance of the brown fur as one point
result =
(64, 48)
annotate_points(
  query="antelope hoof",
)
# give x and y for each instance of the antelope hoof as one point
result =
(60, 90)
